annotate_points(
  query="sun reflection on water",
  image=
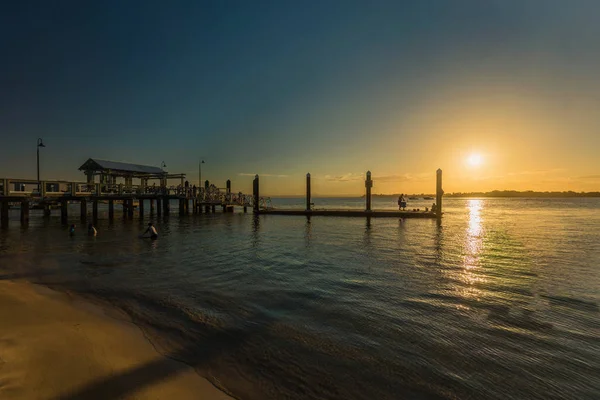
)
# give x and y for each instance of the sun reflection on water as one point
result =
(473, 244)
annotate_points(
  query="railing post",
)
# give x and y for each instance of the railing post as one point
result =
(368, 185)
(308, 194)
(5, 188)
(43, 189)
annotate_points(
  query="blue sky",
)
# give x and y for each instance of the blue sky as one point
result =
(282, 88)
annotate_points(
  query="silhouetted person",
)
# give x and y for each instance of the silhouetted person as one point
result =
(401, 202)
(92, 230)
(72, 230)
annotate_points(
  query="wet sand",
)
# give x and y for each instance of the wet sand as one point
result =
(54, 346)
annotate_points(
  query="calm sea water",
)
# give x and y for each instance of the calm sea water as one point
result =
(498, 301)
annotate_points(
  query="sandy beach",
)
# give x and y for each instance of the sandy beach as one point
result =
(54, 346)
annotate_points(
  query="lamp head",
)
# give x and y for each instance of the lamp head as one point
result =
(41, 143)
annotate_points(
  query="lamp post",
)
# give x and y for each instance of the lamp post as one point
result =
(164, 180)
(200, 173)
(40, 143)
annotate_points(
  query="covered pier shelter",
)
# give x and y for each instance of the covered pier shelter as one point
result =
(119, 176)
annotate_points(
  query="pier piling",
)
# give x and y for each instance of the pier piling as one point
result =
(4, 214)
(439, 192)
(64, 216)
(95, 211)
(256, 194)
(308, 194)
(83, 207)
(181, 207)
(111, 209)
(166, 206)
(141, 208)
(368, 185)
(158, 207)
(151, 206)
(24, 211)
(130, 209)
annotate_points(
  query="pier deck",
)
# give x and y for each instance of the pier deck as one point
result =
(352, 213)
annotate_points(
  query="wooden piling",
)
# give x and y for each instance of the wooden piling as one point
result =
(64, 216)
(83, 207)
(166, 206)
(141, 208)
(47, 210)
(224, 206)
(130, 209)
(151, 206)
(181, 207)
(368, 185)
(187, 205)
(308, 194)
(439, 192)
(95, 211)
(111, 209)
(24, 211)
(245, 209)
(214, 209)
(206, 209)
(195, 205)
(256, 193)
(4, 213)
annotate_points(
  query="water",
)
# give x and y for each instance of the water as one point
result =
(499, 301)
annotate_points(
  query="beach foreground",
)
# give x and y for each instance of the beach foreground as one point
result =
(53, 346)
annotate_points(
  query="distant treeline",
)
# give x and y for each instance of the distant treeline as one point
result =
(502, 193)
(527, 193)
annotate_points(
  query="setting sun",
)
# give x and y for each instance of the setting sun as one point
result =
(474, 160)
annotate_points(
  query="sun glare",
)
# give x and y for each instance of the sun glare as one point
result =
(474, 160)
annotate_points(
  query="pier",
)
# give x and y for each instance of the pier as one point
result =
(366, 212)
(46, 195)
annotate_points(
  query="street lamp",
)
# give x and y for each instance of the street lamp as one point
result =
(200, 174)
(40, 143)
(163, 165)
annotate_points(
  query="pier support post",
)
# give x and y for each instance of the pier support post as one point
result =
(368, 185)
(130, 209)
(195, 205)
(439, 192)
(83, 206)
(166, 206)
(151, 206)
(187, 205)
(256, 194)
(214, 209)
(158, 206)
(181, 207)
(24, 211)
(125, 205)
(5, 188)
(245, 209)
(224, 206)
(95, 211)
(141, 208)
(308, 194)
(47, 211)
(111, 209)
(206, 209)
(228, 186)
(4, 213)
(64, 216)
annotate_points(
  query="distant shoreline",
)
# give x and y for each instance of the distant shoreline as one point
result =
(493, 194)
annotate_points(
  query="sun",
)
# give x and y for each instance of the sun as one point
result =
(474, 160)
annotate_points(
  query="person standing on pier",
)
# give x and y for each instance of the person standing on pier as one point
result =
(401, 202)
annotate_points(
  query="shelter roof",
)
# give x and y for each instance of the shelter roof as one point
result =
(95, 164)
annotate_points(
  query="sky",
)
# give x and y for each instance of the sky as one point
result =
(499, 94)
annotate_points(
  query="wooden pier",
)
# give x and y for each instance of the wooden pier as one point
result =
(157, 200)
(367, 212)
